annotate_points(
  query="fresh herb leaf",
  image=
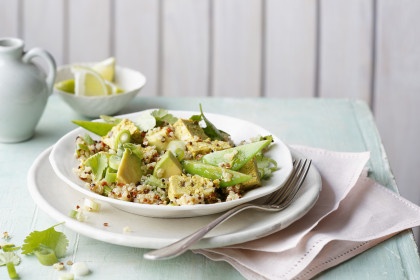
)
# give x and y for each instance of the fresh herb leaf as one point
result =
(210, 130)
(9, 257)
(110, 119)
(98, 163)
(146, 121)
(158, 117)
(160, 113)
(169, 119)
(162, 116)
(266, 166)
(196, 118)
(57, 241)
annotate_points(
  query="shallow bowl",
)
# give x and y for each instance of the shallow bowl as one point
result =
(63, 161)
(130, 81)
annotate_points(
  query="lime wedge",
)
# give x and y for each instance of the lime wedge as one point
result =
(67, 86)
(106, 68)
(113, 88)
(88, 82)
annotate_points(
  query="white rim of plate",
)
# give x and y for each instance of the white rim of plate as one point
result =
(152, 242)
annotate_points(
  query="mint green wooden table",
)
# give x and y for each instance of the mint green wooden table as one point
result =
(340, 125)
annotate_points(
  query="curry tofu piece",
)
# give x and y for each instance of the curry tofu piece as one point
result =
(188, 130)
(206, 147)
(125, 124)
(250, 168)
(180, 185)
(160, 138)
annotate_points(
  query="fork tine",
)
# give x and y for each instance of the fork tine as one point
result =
(292, 186)
(296, 183)
(280, 193)
(280, 199)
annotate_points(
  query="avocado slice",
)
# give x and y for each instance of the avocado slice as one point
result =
(130, 169)
(167, 166)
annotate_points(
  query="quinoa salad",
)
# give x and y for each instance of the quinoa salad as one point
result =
(164, 160)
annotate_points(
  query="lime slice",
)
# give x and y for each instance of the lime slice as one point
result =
(113, 88)
(88, 82)
(106, 68)
(67, 86)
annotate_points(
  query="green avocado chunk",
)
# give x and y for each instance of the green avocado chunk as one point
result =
(130, 168)
(167, 166)
(235, 157)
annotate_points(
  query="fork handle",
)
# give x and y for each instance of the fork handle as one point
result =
(179, 247)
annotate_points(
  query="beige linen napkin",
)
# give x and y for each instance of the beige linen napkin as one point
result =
(352, 214)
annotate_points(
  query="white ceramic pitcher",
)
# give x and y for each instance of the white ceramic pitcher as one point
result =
(24, 90)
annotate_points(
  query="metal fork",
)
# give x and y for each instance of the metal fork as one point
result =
(277, 201)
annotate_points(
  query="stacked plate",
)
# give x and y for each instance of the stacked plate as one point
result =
(57, 190)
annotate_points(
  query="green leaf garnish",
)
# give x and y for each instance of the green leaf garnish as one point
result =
(146, 121)
(162, 116)
(210, 130)
(110, 119)
(51, 238)
(98, 163)
(196, 118)
(266, 166)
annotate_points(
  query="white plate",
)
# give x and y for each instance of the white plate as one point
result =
(56, 199)
(63, 161)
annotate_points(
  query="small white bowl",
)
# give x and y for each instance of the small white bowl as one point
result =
(130, 81)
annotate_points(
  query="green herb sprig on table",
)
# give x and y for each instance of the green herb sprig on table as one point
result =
(47, 245)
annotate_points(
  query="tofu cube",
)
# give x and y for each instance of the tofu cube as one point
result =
(206, 147)
(160, 138)
(125, 124)
(180, 185)
(188, 130)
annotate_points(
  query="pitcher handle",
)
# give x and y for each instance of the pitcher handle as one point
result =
(50, 63)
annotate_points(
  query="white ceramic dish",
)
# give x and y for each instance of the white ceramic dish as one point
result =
(63, 161)
(129, 80)
(56, 199)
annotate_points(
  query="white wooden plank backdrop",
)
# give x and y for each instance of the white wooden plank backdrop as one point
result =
(365, 49)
